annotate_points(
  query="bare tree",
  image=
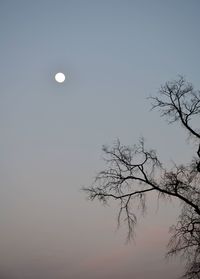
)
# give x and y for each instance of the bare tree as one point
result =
(133, 172)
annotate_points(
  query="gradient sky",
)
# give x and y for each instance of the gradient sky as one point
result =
(114, 54)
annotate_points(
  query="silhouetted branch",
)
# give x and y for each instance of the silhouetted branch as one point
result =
(133, 172)
(178, 101)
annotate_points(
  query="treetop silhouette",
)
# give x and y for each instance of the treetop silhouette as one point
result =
(133, 171)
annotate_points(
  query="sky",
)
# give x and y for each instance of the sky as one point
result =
(114, 55)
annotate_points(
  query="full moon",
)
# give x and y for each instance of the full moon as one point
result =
(60, 77)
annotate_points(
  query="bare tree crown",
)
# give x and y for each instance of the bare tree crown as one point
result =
(132, 172)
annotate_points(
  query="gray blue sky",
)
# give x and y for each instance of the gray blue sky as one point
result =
(114, 54)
